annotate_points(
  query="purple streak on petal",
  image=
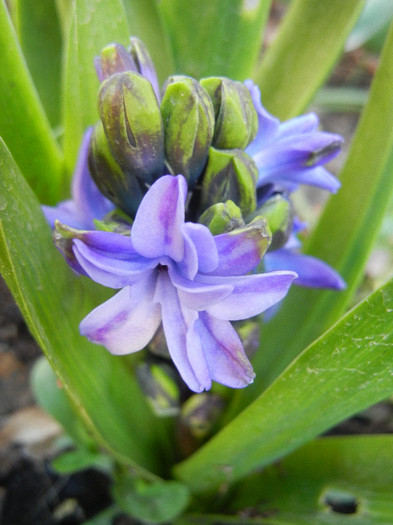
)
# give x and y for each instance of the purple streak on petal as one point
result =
(224, 352)
(113, 244)
(205, 247)
(127, 322)
(267, 124)
(157, 227)
(252, 294)
(176, 321)
(198, 296)
(312, 272)
(239, 253)
(109, 270)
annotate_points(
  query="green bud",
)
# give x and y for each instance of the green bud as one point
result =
(188, 117)
(143, 63)
(122, 188)
(200, 412)
(132, 122)
(160, 388)
(114, 59)
(249, 333)
(279, 214)
(230, 175)
(236, 118)
(222, 217)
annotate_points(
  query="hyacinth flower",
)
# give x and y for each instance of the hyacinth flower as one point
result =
(177, 273)
(287, 155)
(183, 167)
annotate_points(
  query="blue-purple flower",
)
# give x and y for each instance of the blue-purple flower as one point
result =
(175, 273)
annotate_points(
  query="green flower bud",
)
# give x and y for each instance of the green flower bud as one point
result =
(133, 126)
(114, 59)
(143, 63)
(278, 212)
(222, 217)
(160, 388)
(122, 188)
(200, 412)
(230, 175)
(236, 118)
(188, 117)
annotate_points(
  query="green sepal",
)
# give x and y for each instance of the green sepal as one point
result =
(188, 117)
(121, 187)
(236, 118)
(230, 175)
(222, 217)
(133, 126)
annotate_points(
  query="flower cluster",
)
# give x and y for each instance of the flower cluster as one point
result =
(180, 197)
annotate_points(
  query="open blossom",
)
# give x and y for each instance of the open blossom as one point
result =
(177, 273)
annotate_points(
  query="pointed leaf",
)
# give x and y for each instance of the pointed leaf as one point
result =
(215, 37)
(343, 372)
(23, 123)
(53, 301)
(309, 42)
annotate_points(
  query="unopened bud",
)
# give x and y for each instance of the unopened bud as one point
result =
(222, 217)
(133, 126)
(200, 412)
(114, 59)
(143, 63)
(122, 188)
(230, 175)
(160, 388)
(188, 117)
(279, 214)
(236, 118)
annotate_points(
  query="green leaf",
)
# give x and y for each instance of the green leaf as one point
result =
(23, 123)
(94, 25)
(54, 399)
(308, 44)
(312, 485)
(145, 21)
(215, 37)
(53, 301)
(80, 459)
(40, 38)
(346, 231)
(375, 16)
(157, 502)
(343, 372)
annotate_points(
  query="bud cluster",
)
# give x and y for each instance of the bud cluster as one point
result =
(199, 129)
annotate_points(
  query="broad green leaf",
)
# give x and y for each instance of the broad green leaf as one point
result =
(40, 39)
(94, 25)
(346, 231)
(309, 42)
(332, 481)
(145, 21)
(80, 459)
(343, 372)
(215, 37)
(23, 123)
(354, 474)
(53, 301)
(157, 502)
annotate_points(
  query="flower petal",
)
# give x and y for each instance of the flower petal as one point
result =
(312, 272)
(204, 244)
(240, 250)
(126, 322)
(176, 321)
(114, 269)
(198, 296)
(303, 124)
(252, 294)
(157, 227)
(224, 353)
